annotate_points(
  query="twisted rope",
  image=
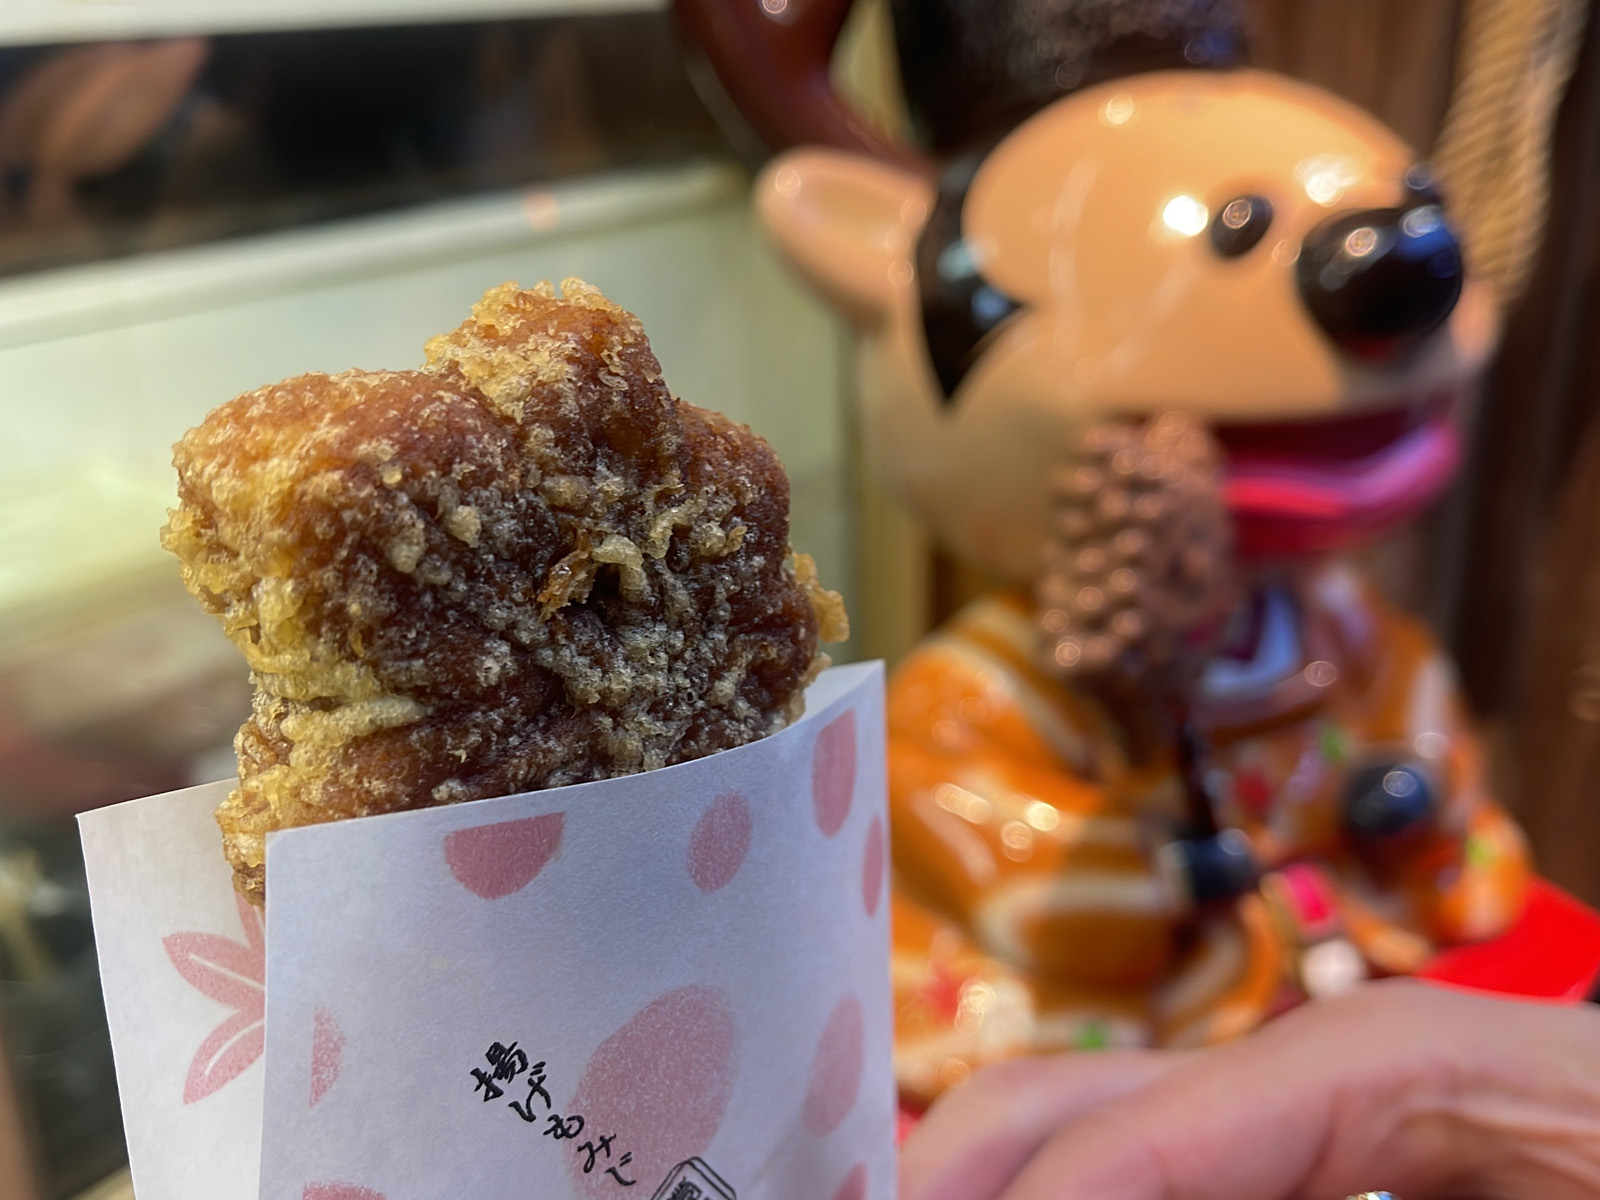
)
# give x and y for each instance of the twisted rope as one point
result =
(1493, 154)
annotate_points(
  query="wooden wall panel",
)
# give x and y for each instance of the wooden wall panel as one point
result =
(1528, 626)
(1392, 57)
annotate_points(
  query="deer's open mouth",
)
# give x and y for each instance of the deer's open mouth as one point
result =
(1312, 486)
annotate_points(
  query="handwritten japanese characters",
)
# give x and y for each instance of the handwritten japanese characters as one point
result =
(506, 1064)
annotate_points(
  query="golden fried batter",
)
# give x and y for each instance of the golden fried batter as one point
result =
(525, 565)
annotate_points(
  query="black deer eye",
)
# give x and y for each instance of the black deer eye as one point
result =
(1240, 225)
(960, 309)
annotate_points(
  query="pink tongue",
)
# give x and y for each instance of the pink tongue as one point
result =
(1289, 507)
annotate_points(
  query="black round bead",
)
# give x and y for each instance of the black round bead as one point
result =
(1386, 801)
(1240, 224)
(1219, 867)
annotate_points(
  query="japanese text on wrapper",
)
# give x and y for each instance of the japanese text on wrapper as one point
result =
(509, 1062)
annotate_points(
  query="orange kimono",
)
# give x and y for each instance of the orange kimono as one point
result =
(1038, 903)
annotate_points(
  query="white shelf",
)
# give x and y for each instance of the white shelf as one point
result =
(76, 300)
(102, 367)
(32, 21)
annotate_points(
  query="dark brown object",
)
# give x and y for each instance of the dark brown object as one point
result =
(975, 69)
(971, 69)
(772, 57)
(525, 565)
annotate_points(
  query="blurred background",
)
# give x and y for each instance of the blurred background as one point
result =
(197, 198)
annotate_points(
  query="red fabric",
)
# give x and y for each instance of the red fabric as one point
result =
(1552, 953)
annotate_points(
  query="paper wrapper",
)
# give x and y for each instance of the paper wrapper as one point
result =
(672, 986)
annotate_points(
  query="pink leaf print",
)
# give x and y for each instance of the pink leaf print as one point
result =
(836, 1068)
(338, 1191)
(662, 1081)
(833, 772)
(720, 840)
(854, 1186)
(327, 1053)
(223, 1056)
(873, 867)
(493, 861)
(234, 974)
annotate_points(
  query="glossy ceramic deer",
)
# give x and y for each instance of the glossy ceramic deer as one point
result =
(1256, 256)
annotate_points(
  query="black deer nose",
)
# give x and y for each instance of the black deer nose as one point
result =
(1379, 279)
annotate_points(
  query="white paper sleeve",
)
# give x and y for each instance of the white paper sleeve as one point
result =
(669, 986)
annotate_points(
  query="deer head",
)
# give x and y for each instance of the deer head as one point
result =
(1222, 242)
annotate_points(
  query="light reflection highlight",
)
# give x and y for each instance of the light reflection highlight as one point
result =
(1422, 221)
(1327, 177)
(1118, 110)
(1359, 243)
(1185, 215)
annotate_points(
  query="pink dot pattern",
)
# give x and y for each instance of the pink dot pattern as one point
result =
(493, 861)
(873, 867)
(720, 840)
(661, 1083)
(836, 1068)
(327, 1053)
(854, 1186)
(338, 1191)
(833, 773)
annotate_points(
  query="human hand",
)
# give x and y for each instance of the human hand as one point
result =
(1396, 1085)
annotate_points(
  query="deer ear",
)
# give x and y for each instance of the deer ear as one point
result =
(849, 224)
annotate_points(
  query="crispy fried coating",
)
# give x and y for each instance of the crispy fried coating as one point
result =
(523, 566)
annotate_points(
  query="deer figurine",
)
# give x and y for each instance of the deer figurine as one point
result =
(1157, 340)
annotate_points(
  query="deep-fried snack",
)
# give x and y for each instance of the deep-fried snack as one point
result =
(525, 565)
